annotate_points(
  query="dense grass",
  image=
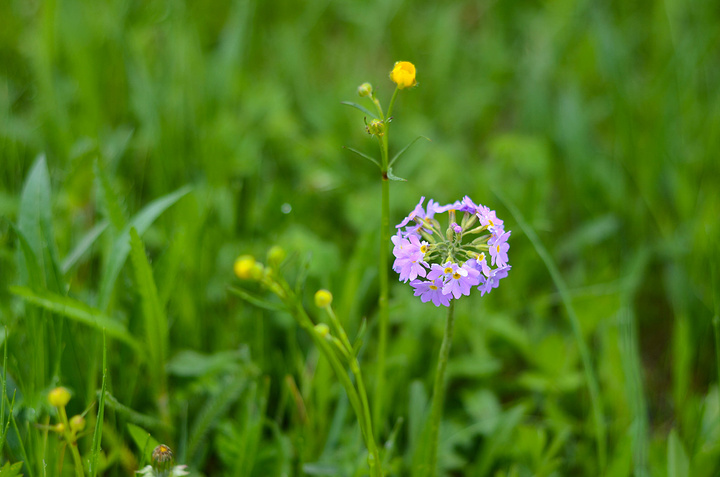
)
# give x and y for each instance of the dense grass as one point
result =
(145, 145)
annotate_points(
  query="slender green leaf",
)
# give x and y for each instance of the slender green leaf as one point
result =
(36, 279)
(131, 414)
(97, 434)
(393, 177)
(110, 203)
(359, 338)
(121, 246)
(590, 378)
(83, 246)
(3, 427)
(360, 108)
(35, 222)
(213, 410)
(395, 158)
(362, 154)
(145, 442)
(18, 435)
(155, 320)
(77, 311)
(259, 302)
(678, 464)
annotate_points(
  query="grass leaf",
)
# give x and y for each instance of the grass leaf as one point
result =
(35, 222)
(590, 377)
(97, 433)
(85, 243)
(77, 311)
(678, 464)
(155, 320)
(121, 246)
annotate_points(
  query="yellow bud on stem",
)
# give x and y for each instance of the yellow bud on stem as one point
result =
(323, 298)
(59, 397)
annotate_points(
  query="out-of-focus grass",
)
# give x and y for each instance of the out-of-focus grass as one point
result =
(600, 122)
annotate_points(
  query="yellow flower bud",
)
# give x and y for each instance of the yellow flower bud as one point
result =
(276, 255)
(365, 89)
(403, 74)
(323, 298)
(77, 423)
(59, 428)
(322, 329)
(59, 397)
(244, 267)
(376, 128)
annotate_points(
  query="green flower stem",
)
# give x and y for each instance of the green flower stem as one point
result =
(439, 390)
(71, 442)
(392, 103)
(378, 398)
(355, 368)
(358, 400)
(383, 305)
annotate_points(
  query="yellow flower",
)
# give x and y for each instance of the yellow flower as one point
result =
(403, 74)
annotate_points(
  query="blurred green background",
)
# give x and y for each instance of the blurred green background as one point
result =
(599, 121)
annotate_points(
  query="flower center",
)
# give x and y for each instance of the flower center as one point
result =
(433, 287)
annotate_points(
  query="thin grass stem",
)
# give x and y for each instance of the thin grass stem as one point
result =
(590, 378)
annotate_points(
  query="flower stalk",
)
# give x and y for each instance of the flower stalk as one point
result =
(438, 398)
(338, 351)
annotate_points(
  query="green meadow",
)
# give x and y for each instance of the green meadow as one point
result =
(145, 145)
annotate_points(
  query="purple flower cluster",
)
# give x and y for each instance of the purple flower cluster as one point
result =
(442, 266)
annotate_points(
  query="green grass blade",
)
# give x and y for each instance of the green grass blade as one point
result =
(214, 409)
(132, 415)
(83, 246)
(109, 200)
(155, 322)
(121, 246)
(97, 434)
(77, 311)
(678, 464)
(632, 364)
(35, 222)
(3, 427)
(590, 377)
(19, 437)
(35, 277)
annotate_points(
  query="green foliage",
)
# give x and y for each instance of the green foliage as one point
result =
(145, 145)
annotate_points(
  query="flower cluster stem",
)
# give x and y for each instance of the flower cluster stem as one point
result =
(378, 398)
(439, 390)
